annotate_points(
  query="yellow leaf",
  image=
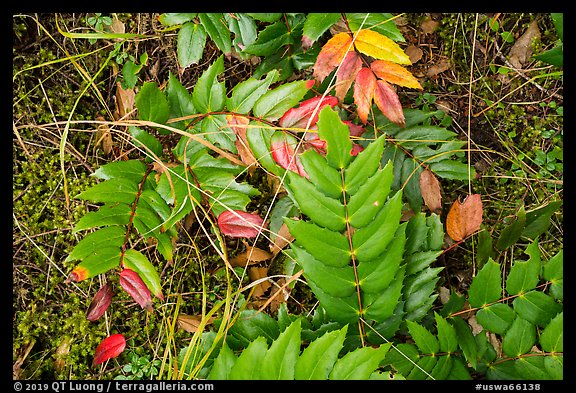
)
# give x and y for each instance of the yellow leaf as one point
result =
(394, 73)
(380, 47)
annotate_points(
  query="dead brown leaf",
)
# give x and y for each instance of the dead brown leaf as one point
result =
(430, 189)
(124, 100)
(442, 65)
(464, 218)
(251, 256)
(428, 25)
(191, 323)
(521, 51)
(281, 240)
(104, 137)
(255, 274)
(414, 53)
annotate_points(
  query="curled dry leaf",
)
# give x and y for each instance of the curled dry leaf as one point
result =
(136, 288)
(104, 137)
(259, 274)
(250, 256)
(281, 240)
(464, 218)
(191, 323)
(109, 348)
(430, 189)
(414, 53)
(237, 223)
(100, 303)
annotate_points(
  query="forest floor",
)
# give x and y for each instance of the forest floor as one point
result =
(512, 117)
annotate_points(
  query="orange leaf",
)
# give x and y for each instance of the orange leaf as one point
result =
(331, 55)
(258, 274)
(464, 218)
(250, 256)
(394, 73)
(346, 73)
(364, 86)
(388, 102)
(380, 47)
(191, 323)
(430, 189)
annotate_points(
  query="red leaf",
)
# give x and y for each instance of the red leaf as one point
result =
(355, 129)
(300, 116)
(464, 218)
(100, 303)
(136, 288)
(388, 102)
(237, 223)
(283, 148)
(346, 74)
(313, 140)
(356, 148)
(430, 190)
(331, 55)
(364, 86)
(109, 348)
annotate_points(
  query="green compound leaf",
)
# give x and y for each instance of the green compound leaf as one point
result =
(152, 104)
(466, 340)
(359, 364)
(486, 287)
(350, 242)
(280, 360)
(98, 262)
(179, 100)
(249, 364)
(274, 103)
(147, 142)
(317, 24)
(511, 233)
(425, 341)
(524, 275)
(552, 337)
(536, 307)
(447, 336)
(175, 18)
(269, 40)
(246, 93)
(132, 170)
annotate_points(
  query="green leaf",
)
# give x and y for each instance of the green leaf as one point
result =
(324, 177)
(146, 141)
(425, 365)
(538, 221)
(269, 40)
(372, 240)
(91, 243)
(208, 94)
(250, 362)
(414, 136)
(370, 198)
(318, 358)
(420, 260)
(267, 17)
(359, 364)
(496, 318)
(453, 170)
(520, 338)
(531, 368)
(251, 325)
(511, 233)
(113, 214)
(403, 357)
(246, 93)
(115, 190)
(325, 245)
(190, 44)
(152, 104)
(554, 272)
(170, 19)
(536, 307)
(486, 287)
(377, 274)
(324, 211)
(179, 100)
(447, 337)
(337, 281)
(100, 261)
(442, 368)
(138, 262)
(274, 103)
(215, 129)
(554, 56)
(484, 247)
(555, 366)
(317, 24)
(133, 170)
(337, 136)
(130, 73)
(558, 19)
(466, 340)
(222, 364)
(259, 143)
(280, 360)
(552, 337)
(383, 23)
(244, 29)
(364, 165)
(214, 25)
(424, 340)
(524, 275)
